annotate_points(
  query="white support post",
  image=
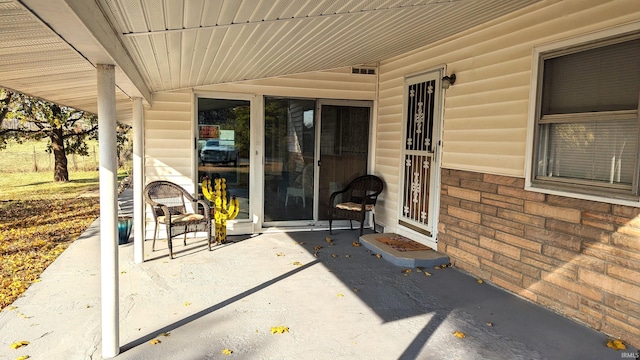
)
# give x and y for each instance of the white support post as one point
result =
(138, 182)
(108, 210)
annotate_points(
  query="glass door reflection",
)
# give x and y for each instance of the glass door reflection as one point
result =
(289, 162)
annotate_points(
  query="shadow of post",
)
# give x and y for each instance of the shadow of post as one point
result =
(213, 308)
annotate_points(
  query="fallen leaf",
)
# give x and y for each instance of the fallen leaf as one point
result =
(444, 265)
(123, 272)
(186, 303)
(227, 352)
(280, 254)
(340, 295)
(334, 255)
(355, 243)
(296, 263)
(419, 269)
(378, 256)
(459, 334)
(302, 243)
(155, 342)
(19, 344)
(347, 256)
(317, 247)
(437, 267)
(489, 323)
(23, 357)
(616, 345)
(165, 334)
(11, 307)
(426, 273)
(479, 281)
(279, 329)
(406, 271)
(329, 240)
(356, 290)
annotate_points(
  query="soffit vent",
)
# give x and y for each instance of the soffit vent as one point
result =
(363, 70)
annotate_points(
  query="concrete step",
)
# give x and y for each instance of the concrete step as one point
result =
(410, 259)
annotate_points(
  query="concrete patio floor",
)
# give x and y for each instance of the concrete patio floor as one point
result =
(338, 302)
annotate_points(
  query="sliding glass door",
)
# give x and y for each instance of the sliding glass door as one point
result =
(222, 148)
(289, 161)
(344, 147)
(312, 148)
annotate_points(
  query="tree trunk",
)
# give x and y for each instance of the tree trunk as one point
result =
(60, 171)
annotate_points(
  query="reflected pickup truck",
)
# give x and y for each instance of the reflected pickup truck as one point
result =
(214, 153)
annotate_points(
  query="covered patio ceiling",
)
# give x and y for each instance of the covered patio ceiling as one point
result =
(50, 49)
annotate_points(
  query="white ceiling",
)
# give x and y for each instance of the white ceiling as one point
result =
(50, 48)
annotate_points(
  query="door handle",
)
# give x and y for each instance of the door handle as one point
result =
(319, 162)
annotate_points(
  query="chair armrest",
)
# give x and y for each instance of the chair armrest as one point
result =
(165, 210)
(207, 208)
(370, 199)
(334, 194)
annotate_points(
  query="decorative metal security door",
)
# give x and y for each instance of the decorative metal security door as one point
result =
(417, 213)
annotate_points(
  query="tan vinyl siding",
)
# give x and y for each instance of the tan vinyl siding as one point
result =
(168, 138)
(486, 110)
(330, 84)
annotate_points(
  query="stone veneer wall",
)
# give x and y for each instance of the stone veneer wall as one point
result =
(579, 258)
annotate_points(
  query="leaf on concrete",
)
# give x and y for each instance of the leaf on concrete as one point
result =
(19, 344)
(155, 342)
(280, 254)
(340, 295)
(328, 239)
(334, 255)
(489, 323)
(355, 243)
(279, 329)
(165, 334)
(317, 247)
(296, 263)
(426, 273)
(23, 357)
(378, 256)
(459, 334)
(616, 345)
(186, 303)
(227, 352)
(406, 271)
(479, 281)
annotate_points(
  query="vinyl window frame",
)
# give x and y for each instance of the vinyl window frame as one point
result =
(570, 187)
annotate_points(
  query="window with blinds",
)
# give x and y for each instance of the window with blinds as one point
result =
(587, 124)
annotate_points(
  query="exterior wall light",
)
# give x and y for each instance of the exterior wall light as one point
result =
(448, 80)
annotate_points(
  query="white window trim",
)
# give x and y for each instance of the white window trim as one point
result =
(536, 82)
